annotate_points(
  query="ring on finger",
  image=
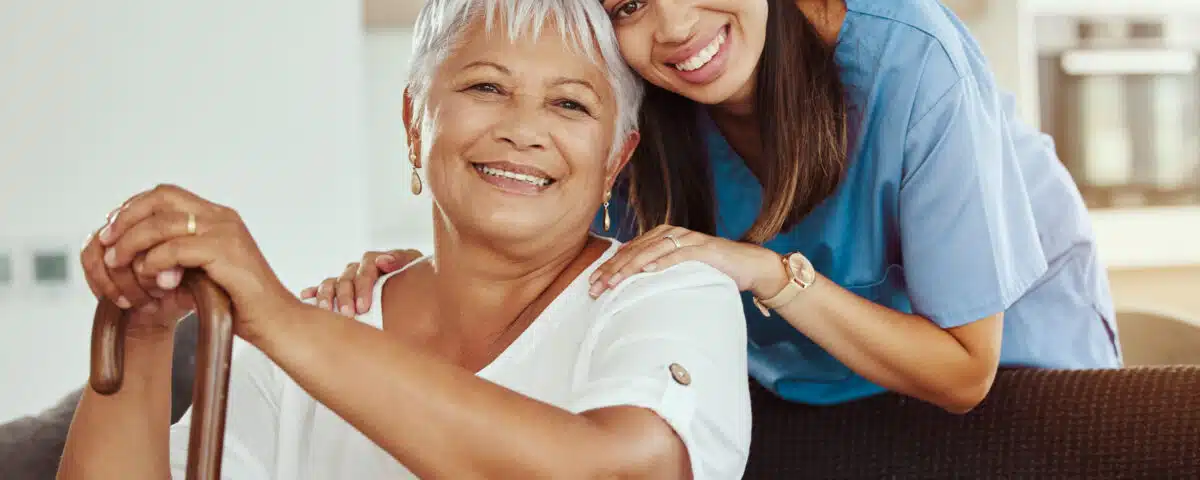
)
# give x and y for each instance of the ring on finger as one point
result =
(673, 240)
(191, 223)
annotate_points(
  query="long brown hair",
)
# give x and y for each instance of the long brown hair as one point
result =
(801, 107)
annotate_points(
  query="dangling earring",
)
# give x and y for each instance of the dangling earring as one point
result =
(607, 219)
(417, 186)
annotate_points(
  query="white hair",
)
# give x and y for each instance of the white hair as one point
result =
(583, 25)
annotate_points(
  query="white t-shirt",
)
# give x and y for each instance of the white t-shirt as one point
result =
(672, 341)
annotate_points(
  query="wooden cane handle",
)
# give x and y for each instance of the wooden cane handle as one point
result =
(213, 351)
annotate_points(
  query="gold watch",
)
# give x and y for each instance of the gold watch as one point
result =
(801, 275)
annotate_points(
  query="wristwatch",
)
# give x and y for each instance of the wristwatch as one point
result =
(801, 275)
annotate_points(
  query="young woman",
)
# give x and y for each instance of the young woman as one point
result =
(488, 360)
(853, 166)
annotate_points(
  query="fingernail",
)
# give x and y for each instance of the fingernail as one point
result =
(388, 259)
(150, 308)
(596, 289)
(650, 267)
(612, 282)
(323, 304)
(110, 258)
(362, 305)
(168, 280)
(123, 302)
(106, 234)
(346, 310)
(156, 293)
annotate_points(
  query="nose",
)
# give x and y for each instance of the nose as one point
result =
(676, 21)
(522, 128)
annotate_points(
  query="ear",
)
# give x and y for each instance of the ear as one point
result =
(618, 163)
(412, 131)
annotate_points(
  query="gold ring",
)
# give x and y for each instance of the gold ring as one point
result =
(191, 224)
(673, 240)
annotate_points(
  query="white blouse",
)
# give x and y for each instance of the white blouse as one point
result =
(672, 341)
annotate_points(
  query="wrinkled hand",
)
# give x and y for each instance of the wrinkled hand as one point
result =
(352, 292)
(751, 266)
(150, 312)
(150, 236)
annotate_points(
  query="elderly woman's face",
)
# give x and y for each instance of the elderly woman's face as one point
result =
(520, 136)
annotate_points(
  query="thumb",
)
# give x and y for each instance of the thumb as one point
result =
(388, 262)
(396, 259)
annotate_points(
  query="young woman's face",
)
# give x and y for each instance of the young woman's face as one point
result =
(705, 50)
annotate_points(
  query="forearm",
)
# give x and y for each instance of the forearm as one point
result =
(125, 435)
(902, 352)
(437, 419)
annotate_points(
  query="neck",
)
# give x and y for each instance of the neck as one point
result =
(826, 16)
(742, 132)
(740, 106)
(484, 288)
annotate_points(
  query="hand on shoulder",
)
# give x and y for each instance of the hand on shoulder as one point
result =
(351, 292)
(747, 264)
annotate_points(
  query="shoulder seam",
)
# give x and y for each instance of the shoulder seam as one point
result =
(933, 106)
(913, 125)
(926, 33)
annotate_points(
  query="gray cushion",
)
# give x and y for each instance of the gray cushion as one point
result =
(30, 447)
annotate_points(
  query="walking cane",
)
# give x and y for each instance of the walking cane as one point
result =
(213, 350)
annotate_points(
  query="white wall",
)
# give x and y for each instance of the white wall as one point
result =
(398, 219)
(1004, 31)
(257, 105)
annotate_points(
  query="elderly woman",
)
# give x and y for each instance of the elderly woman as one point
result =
(487, 360)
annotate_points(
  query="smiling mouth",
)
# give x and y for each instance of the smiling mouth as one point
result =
(532, 180)
(705, 55)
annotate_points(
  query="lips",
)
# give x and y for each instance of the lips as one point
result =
(703, 63)
(515, 172)
(698, 53)
(705, 55)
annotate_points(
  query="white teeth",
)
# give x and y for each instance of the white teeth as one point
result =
(530, 179)
(704, 56)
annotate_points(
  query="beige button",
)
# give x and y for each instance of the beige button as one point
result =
(680, 374)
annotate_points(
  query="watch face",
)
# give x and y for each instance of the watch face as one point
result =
(802, 269)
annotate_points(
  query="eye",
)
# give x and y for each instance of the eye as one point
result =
(574, 106)
(627, 9)
(486, 88)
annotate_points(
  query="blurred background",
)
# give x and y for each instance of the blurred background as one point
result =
(289, 111)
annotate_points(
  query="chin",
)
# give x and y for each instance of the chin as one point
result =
(508, 227)
(723, 89)
(709, 94)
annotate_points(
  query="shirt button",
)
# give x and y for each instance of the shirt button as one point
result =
(680, 374)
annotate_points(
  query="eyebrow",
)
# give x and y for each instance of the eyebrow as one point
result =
(557, 80)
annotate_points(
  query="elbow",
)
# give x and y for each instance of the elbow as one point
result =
(625, 443)
(652, 456)
(663, 465)
(963, 396)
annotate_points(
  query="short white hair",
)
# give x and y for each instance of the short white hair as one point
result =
(583, 25)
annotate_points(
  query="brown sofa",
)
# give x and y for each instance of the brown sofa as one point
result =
(1141, 422)
(1121, 424)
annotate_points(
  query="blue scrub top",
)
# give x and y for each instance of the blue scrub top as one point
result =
(952, 209)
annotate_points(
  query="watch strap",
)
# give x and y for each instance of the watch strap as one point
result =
(784, 297)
